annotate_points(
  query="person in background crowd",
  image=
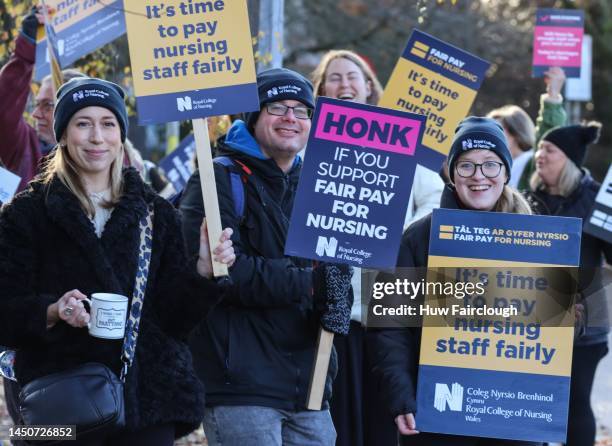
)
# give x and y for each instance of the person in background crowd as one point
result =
(343, 74)
(22, 146)
(335, 78)
(149, 172)
(478, 182)
(255, 351)
(520, 132)
(75, 231)
(560, 186)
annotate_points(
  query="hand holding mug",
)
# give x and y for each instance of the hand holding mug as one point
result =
(105, 319)
(70, 309)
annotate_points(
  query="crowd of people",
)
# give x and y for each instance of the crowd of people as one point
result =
(237, 355)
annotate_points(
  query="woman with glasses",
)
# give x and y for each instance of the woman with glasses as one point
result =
(560, 186)
(479, 165)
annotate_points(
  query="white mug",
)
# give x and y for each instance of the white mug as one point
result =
(108, 313)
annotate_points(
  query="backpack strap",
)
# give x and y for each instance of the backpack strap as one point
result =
(237, 170)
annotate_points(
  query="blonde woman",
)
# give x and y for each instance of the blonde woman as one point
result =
(560, 186)
(75, 231)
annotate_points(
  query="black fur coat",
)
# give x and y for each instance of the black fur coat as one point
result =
(48, 246)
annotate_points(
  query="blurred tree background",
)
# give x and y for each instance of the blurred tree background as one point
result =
(500, 31)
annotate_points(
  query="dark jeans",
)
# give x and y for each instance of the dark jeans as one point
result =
(581, 425)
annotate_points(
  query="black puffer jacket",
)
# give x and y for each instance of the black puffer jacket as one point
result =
(394, 352)
(48, 247)
(257, 345)
(593, 251)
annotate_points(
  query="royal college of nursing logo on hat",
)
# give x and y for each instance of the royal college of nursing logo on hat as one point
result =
(76, 97)
(469, 144)
(82, 94)
(284, 89)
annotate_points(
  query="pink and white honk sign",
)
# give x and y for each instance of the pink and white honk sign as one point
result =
(373, 129)
(355, 184)
(557, 41)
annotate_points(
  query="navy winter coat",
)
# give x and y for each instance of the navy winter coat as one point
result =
(257, 346)
(593, 251)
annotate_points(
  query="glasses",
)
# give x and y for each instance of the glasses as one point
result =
(278, 109)
(489, 169)
(44, 105)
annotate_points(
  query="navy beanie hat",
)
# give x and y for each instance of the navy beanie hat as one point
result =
(479, 133)
(82, 92)
(279, 84)
(574, 139)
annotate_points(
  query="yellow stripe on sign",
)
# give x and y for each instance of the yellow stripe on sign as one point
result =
(446, 228)
(558, 338)
(418, 53)
(464, 262)
(421, 46)
(446, 236)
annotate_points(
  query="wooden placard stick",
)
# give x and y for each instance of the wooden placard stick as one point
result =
(209, 190)
(319, 371)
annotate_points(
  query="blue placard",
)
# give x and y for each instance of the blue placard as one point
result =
(202, 66)
(440, 81)
(509, 376)
(42, 67)
(8, 184)
(446, 60)
(560, 17)
(180, 106)
(599, 221)
(81, 38)
(355, 184)
(506, 237)
(179, 165)
(491, 401)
